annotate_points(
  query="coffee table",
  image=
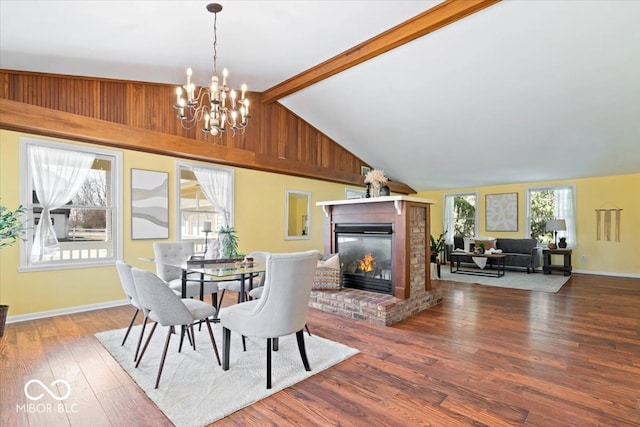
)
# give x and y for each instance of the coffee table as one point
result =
(500, 263)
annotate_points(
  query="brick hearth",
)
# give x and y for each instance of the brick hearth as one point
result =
(376, 308)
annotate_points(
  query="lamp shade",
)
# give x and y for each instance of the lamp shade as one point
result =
(556, 225)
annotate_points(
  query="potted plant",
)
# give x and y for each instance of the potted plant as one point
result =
(229, 243)
(11, 229)
(562, 243)
(437, 246)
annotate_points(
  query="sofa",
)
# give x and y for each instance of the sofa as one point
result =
(520, 253)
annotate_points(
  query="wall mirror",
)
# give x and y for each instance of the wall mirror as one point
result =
(297, 224)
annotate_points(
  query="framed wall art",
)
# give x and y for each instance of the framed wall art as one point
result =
(501, 212)
(149, 204)
(351, 193)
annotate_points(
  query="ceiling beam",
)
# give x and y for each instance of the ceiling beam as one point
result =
(431, 20)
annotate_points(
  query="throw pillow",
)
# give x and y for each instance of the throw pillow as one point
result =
(332, 263)
(488, 243)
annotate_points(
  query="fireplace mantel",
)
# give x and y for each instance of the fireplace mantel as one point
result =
(397, 202)
(409, 217)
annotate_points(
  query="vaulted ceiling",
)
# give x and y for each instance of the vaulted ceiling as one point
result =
(520, 91)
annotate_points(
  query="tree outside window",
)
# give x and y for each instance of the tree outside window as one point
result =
(551, 203)
(460, 216)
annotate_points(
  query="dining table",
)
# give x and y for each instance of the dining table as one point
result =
(218, 270)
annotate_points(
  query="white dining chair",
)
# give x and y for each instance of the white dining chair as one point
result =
(129, 288)
(166, 308)
(168, 256)
(282, 309)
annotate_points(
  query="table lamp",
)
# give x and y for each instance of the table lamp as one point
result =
(555, 225)
(206, 229)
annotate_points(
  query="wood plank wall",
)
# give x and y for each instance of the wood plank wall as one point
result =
(276, 139)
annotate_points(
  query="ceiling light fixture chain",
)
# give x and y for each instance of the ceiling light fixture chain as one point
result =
(216, 106)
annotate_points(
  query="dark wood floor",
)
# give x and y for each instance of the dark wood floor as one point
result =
(487, 356)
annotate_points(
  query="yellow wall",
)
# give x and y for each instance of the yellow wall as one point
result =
(590, 255)
(259, 219)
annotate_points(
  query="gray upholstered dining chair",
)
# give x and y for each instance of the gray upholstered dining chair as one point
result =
(282, 309)
(168, 255)
(168, 309)
(256, 292)
(129, 288)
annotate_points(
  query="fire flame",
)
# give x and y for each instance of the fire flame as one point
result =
(366, 264)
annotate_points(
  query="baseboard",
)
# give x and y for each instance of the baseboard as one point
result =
(63, 311)
(607, 273)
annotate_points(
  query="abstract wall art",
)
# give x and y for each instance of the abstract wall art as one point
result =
(502, 212)
(149, 204)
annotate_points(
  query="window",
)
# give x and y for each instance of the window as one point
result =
(81, 200)
(196, 208)
(460, 215)
(551, 203)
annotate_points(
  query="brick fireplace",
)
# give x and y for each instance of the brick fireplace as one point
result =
(359, 228)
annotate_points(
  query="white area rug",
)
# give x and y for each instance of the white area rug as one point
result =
(195, 391)
(512, 279)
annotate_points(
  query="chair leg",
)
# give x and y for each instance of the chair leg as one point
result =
(213, 341)
(193, 335)
(146, 344)
(216, 304)
(269, 363)
(244, 343)
(144, 325)
(221, 297)
(307, 328)
(189, 337)
(275, 342)
(164, 356)
(182, 331)
(303, 351)
(130, 326)
(226, 347)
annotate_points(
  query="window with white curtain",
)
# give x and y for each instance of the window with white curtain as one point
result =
(72, 198)
(460, 217)
(206, 196)
(545, 203)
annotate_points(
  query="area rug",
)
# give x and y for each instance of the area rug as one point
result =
(512, 279)
(195, 391)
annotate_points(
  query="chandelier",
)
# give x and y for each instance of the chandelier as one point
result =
(217, 108)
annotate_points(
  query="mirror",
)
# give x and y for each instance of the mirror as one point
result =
(297, 225)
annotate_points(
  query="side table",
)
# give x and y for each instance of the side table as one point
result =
(547, 267)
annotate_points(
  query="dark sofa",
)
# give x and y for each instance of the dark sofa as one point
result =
(521, 253)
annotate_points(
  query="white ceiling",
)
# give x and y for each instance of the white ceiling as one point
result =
(523, 91)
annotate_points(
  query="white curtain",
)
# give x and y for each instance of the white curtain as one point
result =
(565, 209)
(449, 220)
(57, 177)
(216, 185)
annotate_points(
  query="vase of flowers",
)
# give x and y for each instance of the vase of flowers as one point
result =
(376, 179)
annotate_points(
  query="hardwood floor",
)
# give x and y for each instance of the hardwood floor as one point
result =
(486, 356)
